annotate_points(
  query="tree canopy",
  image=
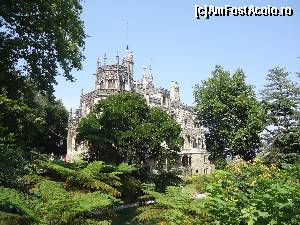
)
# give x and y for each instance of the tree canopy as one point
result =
(123, 127)
(281, 98)
(38, 41)
(227, 107)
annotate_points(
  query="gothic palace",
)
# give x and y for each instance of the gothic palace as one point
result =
(113, 78)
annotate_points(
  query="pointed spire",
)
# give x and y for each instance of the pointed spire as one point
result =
(118, 58)
(144, 72)
(98, 63)
(145, 80)
(81, 92)
(150, 77)
(127, 50)
(128, 58)
(70, 114)
(104, 59)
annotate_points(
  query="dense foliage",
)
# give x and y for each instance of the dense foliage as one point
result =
(59, 193)
(39, 40)
(243, 193)
(12, 163)
(227, 107)
(50, 137)
(41, 125)
(123, 128)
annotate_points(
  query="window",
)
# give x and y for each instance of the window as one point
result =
(185, 161)
(194, 143)
(111, 84)
(185, 122)
(188, 140)
(164, 100)
(200, 143)
(102, 86)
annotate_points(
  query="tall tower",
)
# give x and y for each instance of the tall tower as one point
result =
(174, 92)
(128, 64)
(147, 78)
(115, 77)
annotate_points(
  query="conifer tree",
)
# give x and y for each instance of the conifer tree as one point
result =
(281, 98)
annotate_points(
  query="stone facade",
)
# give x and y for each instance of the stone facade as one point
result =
(118, 77)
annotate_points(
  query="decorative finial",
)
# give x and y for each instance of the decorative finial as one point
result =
(104, 59)
(144, 70)
(70, 114)
(127, 48)
(81, 91)
(117, 56)
(98, 62)
(150, 71)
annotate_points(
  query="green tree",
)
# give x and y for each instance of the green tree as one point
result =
(19, 120)
(122, 128)
(41, 126)
(12, 163)
(51, 136)
(281, 98)
(227, 107)
(39, 40)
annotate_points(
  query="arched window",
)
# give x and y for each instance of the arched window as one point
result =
(194, 143)
(185, 160)
(200, 143)
(188, 141)
(111, 84)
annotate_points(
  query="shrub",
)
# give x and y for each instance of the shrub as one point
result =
(243, 193)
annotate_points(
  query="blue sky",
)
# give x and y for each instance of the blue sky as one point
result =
(179, 47)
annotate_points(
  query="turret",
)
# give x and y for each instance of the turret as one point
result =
(70, 115)
(128, 61)
(115, 77)
(128, 64)
(147, 78)
(144, 78)
(174, 92)
(104, 59)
